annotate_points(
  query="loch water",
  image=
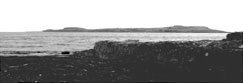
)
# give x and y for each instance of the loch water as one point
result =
(47, 43)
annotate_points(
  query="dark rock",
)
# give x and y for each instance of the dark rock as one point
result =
(65, 52)
(183, 61)
(235, 36)
(142, 50)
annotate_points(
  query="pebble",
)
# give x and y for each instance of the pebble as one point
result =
(25, 64)
(241, 46)
(85, 70)
(206, 54)
(13, 66)
(69, 66)
(91, 65)
(5, 71)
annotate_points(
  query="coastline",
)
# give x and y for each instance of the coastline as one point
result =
(175, 28)
(134, 61)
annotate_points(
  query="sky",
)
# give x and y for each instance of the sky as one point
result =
(38, 15)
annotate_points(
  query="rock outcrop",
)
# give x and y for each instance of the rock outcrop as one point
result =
(182, 61)
(235, 36)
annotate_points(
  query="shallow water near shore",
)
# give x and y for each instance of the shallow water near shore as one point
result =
(53, 43)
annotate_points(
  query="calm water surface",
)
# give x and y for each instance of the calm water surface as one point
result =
(66, 41)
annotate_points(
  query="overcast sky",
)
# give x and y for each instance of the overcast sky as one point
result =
(37, 15)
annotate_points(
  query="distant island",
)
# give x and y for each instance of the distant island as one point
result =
(176, 29)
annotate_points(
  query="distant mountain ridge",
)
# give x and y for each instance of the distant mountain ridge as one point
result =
(176, 28)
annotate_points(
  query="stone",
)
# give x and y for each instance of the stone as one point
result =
(65, 52)
(234, 36)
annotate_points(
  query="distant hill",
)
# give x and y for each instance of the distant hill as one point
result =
(176, 28)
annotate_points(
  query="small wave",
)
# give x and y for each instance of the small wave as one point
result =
(62, 44)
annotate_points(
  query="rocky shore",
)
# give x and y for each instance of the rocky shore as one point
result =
(134, 61)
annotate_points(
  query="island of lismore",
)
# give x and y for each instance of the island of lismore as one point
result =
(174, 29)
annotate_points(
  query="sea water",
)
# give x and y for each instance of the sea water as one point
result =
(44, 43)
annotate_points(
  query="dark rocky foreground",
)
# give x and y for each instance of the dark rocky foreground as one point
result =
(133, 61)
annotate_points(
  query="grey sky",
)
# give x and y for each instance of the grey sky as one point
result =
(37, 15)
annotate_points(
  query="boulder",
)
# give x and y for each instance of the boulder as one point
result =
(143, 51)
(65, 52)
(234, 36)
(190, 60)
